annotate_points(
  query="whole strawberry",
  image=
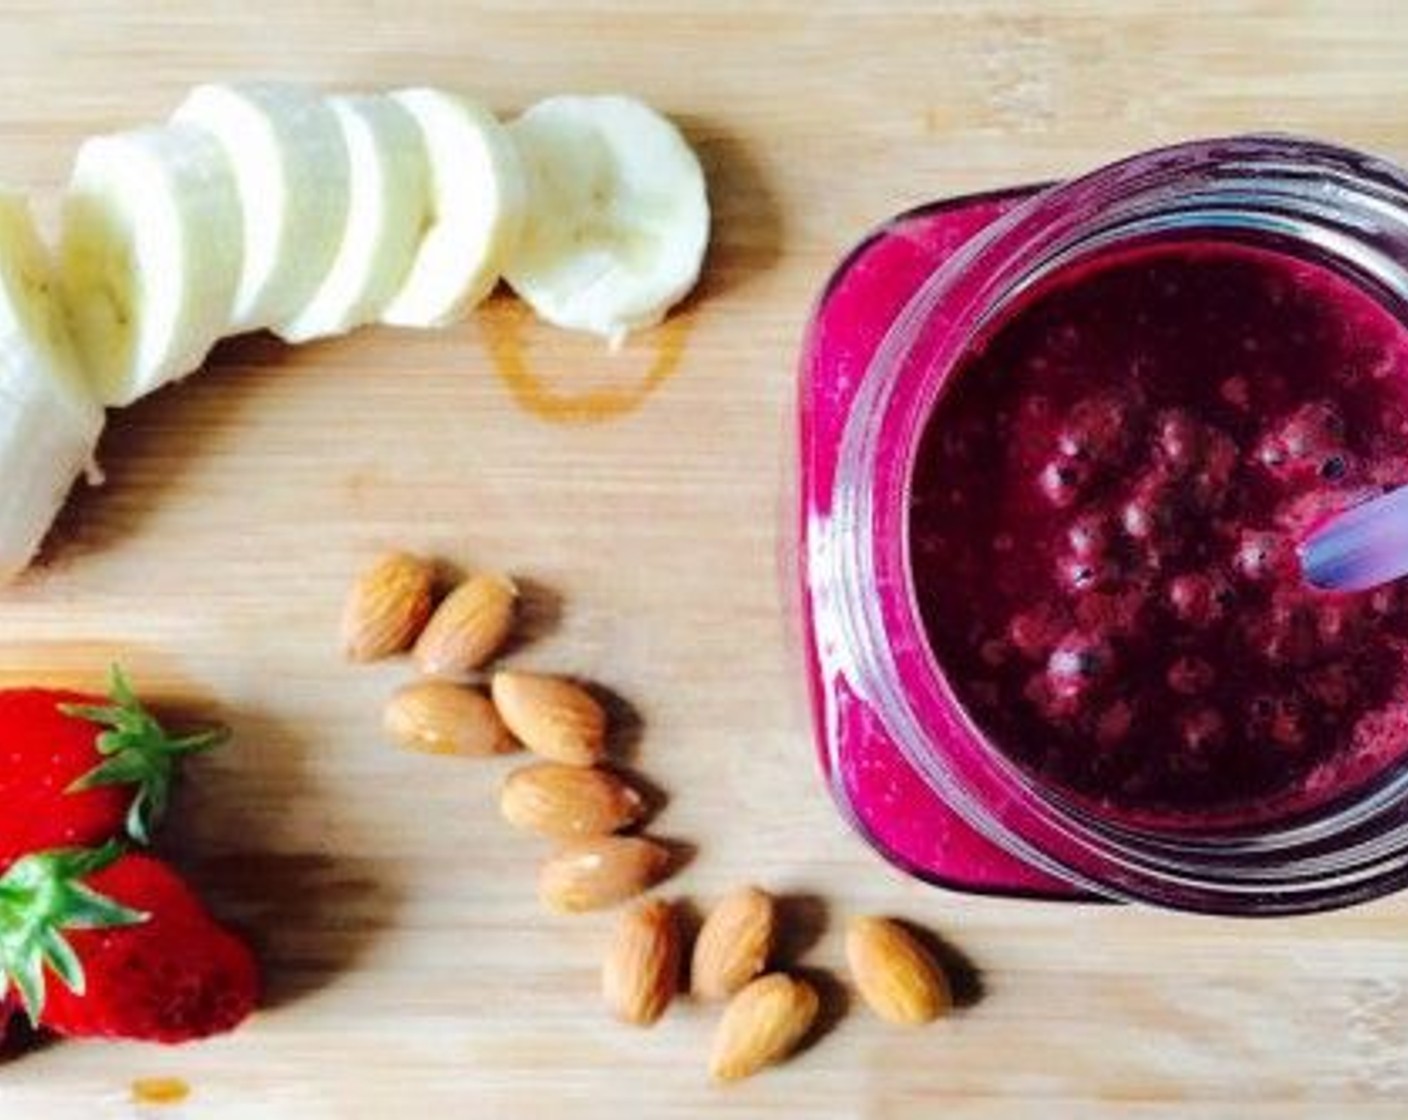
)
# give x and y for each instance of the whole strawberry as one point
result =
(78, 770)
(101, 944)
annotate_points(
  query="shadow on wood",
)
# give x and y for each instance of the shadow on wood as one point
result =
(309, 913)
(625, 727)
(802, 919)
(682, 854)
(18, 1039)
(689, 919)
(539, 614)
(147, 447)
(964, 977)
(835, 1004)
(748, 231)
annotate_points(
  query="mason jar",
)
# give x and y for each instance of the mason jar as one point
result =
(908, 758)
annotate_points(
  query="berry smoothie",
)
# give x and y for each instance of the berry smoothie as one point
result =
(1104, 515)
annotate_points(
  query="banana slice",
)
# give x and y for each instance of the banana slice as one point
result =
(387, 210)
(290, 163)
(149, 256)
(477, 202)
(618, 214)
(49, 420)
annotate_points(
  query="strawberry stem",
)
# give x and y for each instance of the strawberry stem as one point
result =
(136, 751)
(42, 895)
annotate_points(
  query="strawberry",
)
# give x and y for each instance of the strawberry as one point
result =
(134, 952)
(77, 770)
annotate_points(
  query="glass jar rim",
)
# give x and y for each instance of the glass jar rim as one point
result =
(1348, 207)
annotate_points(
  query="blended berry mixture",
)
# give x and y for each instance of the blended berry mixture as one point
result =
(1105, 511)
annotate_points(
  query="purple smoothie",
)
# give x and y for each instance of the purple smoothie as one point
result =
(1104, 513)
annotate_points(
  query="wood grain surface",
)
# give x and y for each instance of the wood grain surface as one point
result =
(640, 498)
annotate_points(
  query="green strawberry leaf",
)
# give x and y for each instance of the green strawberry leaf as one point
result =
(137, 751)
(63, 960)
(42, 895)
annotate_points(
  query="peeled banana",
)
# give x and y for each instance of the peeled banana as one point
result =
(151, 255)
(618, 215)
(49, 420)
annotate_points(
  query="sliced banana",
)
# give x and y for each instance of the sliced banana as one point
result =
(477, 202)
(387, 210)
(150, 255)
(49, 420)
(291, 166)
(618, 214)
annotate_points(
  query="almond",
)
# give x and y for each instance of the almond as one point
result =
(387, 607)
(442, 718)
(761, 1025)
(468, 627)
(734, 943)
(895, 973)
(641, 973)
(601, 871)
(567, 802)
(552, 717)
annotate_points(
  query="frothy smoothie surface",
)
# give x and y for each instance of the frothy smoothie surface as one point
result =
(1105, 510)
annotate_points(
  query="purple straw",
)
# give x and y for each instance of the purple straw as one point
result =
(1360, 548)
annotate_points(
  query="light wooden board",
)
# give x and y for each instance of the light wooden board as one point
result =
(410, 970)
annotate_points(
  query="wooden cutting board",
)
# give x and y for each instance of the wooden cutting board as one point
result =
(640, 498)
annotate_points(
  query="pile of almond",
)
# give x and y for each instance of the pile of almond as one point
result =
(769, 1012)
(569, 797)
(574, 800)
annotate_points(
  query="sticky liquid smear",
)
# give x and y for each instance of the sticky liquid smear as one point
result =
(568, 378)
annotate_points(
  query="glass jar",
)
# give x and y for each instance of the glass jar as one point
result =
(905, 760)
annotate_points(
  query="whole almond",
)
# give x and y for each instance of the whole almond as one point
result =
(469, 626)
(566, 802)
(599, 872)
(895, 973)
(734, 943)
(387, 607)
(552, 717)
(761, 1025)
(641, 973)
(443, 718)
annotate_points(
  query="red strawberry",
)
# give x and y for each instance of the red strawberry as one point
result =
(78, 770)
(99, 944)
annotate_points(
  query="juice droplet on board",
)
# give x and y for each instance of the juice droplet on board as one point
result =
(159, 1090)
